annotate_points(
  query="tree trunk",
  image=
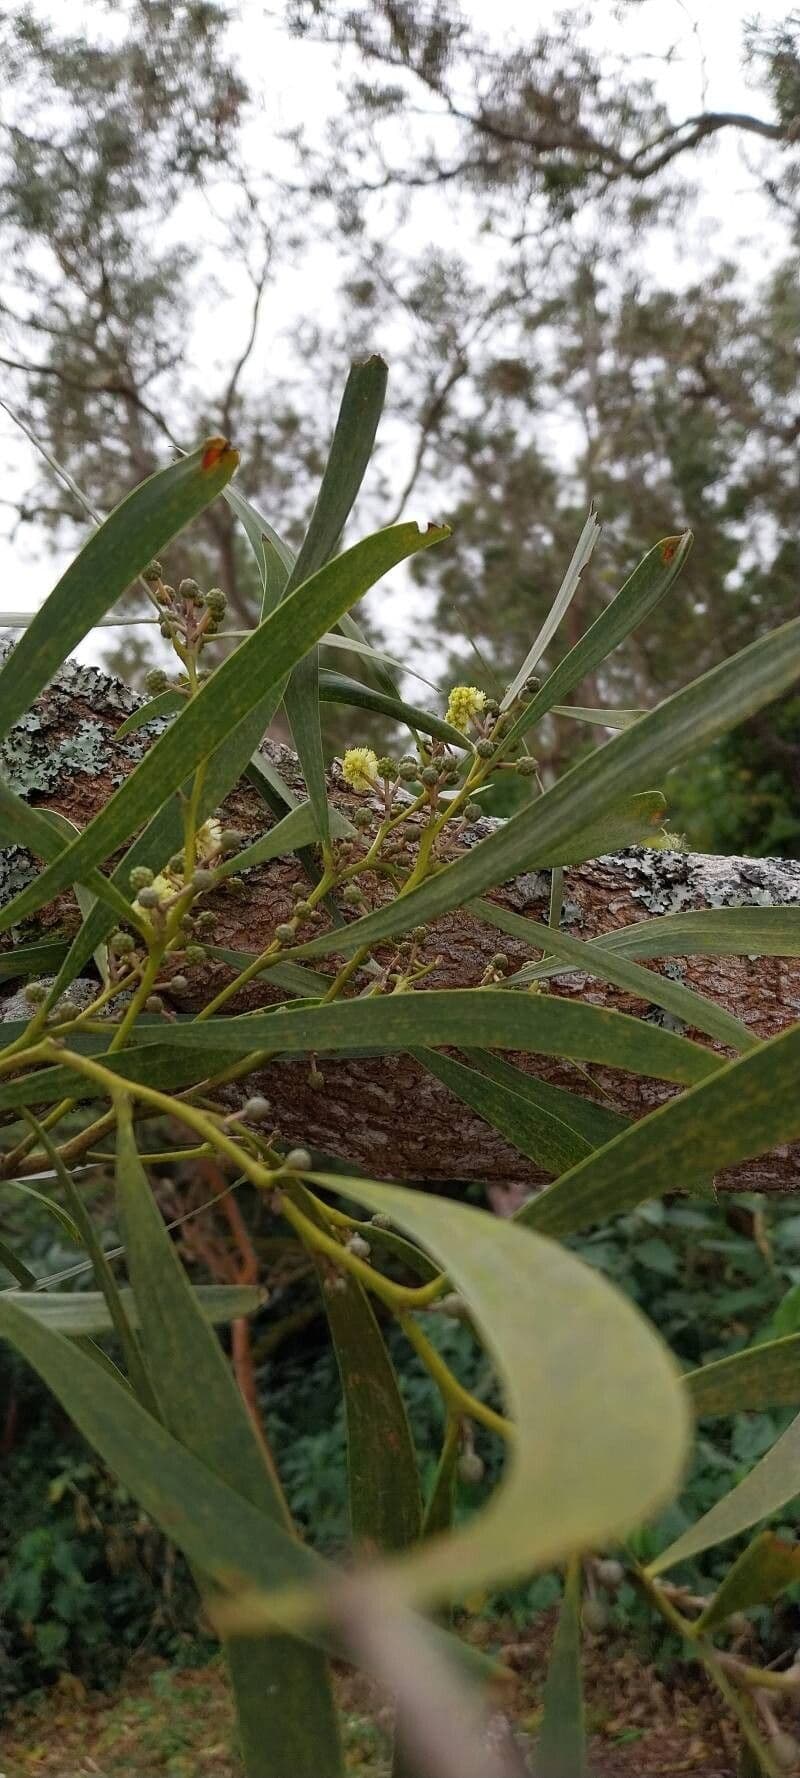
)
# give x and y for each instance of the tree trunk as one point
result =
(385, 1114)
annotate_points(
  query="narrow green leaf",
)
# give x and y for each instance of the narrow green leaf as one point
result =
(709, 932)
(763, 1571)
(77, 1313)
(546, 1141)
(201, 1406)
(222, 703)
(152, 1065)
(274, 559)
(764, 1491)
(58, 1213)
(337, 688)
(15, 1266)
(168, 703)
(296, 829)
(351, 448)
(635, 601)
(32, 960)
(551, 827)
(561, 1748)
(291, 976)
(593, 959)
(123, 545)
(563, 599)
(599, 718)
(439, 1509)
(744, 1109)
(483, 1017)
(42, 832)
(766, 1376)
(595, 1124)
(383, 1481)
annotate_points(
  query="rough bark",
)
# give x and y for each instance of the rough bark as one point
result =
(385, 1114)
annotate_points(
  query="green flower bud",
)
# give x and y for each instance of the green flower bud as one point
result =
(202, 878)
(148, 898)
(452, 775)
(533, 682)
(352, 895)
(500, 962)
(154, 1003)
(473, 812)
(205, 920)
(408, 769)
(419, 934)
(610, 1573)
(298, 1160)
(785, 1749)
(285, 931)
(526, 766)
(471, 1468)
(195, 954)
(484, 749)
(166, 629)
(301, 910)
(387, 768)
(492, 707)
(153, 573)
(429, 775)
(595, 1616)
(121, 944)
(190, 590)
(257, 1110)
(216, 602)
(362, 818)
(380, 1220)
(141, 877)
(35, 992)
(156, 681)
(231, 839)
(178, 984)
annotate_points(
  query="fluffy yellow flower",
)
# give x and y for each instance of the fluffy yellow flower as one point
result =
(464, 702)
(208, 839)
(360, 768)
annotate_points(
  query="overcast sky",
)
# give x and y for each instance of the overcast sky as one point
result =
(296, 82)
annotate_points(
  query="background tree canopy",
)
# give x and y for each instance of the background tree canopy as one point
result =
(511, 217)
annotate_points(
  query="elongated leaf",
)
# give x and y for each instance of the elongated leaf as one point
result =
(273, 557)
(439, 1509)
(119, 1318)
(598, 718)
(592, 1122)
(692, 1008)
(766, 1376)
(383, 1482)
(76, 1313)
(764, 1491)
(551, 826)
(337, 688)
(59, 1214)
(291, 976)
(710, 932)
(42, 833)
(16, 1266)
(537, 1306)
(351, 448)
(486, 1017)
(158, 840)
(764, 1570)
(296, 829)
(168, 703)
(746, 1108)
(232, 692)
(32, 960)
(635, 601)
(561, 1748)
(136, 531)
(200, 1405)
(546, 1141)
(153, 1065)
(563, 599)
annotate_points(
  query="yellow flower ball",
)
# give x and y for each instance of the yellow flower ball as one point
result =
(464, 702)
(360, 768)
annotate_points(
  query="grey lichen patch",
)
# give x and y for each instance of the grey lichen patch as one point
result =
(17, 869)
(33, 758)
(663, 882)
(749, 882)
(92, 686)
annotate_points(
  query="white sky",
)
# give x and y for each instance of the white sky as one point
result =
(296, 82)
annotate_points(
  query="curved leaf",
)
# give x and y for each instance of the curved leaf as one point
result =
(561, 1747)
(114, 555)
(546, 1141)
(766, 1376)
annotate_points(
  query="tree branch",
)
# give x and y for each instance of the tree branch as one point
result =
(384, 1113)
